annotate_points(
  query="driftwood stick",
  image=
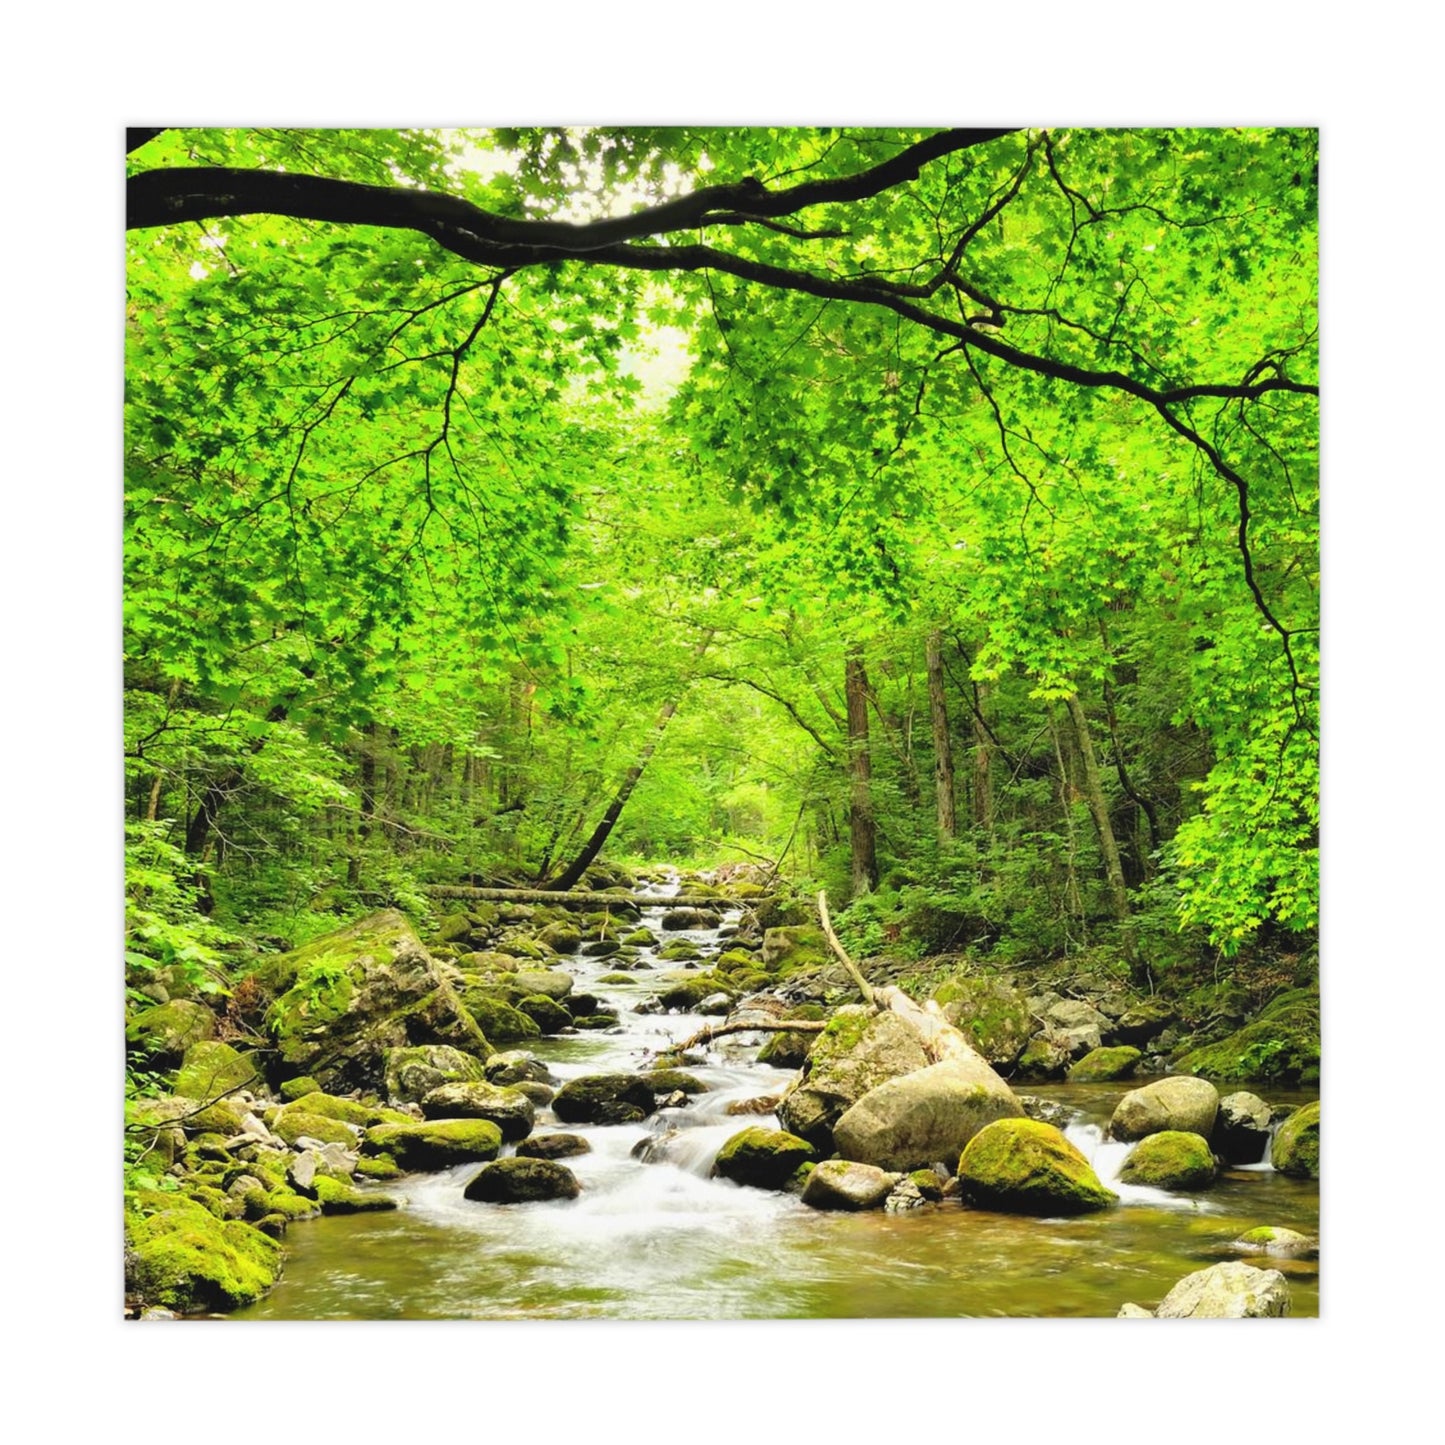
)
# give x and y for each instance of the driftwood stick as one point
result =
(864, 987)
(716, 1031)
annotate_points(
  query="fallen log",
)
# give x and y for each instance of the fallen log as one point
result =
(716, 1031)
(575, 898)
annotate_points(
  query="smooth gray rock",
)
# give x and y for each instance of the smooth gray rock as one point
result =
(1227, 1292)
(1179, 1102)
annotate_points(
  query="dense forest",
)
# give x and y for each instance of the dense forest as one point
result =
(926, 518)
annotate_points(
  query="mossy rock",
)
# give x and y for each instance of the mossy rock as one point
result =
(435, 1145)
(1100, 1066)
(1280, 1046)
(1296, 1148)
(604, 1099)
(1044, 1057)
(412, 1072)
(223, 1118)
(294, 1089)
(181, 1256)
(454, 928)
(991, 1014)
(615, 978)
(1278, 1242)
(553, 1146)
(168, 1030)
(509, 1109)
(211, 1068)
(334, 1197)
(549, 1016)
(734, 958)
(561, 937)
(595, 1021)
(347, 1111)
(523, 1180)
(679, 951)
(1171, 1159)
(497, 1019)
(640, 938)
(792, 947)
(669, 1081)
(378, 1166)
(1020, 1166)
(686, 994)
(290, 1205)
(762, 1158)
(294, 1122)
(527, 948)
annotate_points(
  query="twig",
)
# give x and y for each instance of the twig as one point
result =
(864, 987)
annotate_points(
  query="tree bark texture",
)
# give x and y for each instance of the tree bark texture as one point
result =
(1099, 808)
(862, 827)
(942, 744)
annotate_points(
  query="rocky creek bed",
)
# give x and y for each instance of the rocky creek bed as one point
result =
(713, 1191)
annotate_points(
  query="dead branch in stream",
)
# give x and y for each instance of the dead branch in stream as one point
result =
(716, 1031)
(583, 899)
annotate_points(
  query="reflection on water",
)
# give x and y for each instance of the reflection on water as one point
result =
(661, 1240)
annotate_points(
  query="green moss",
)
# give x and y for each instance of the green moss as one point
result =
(294, 1089)
(1170, 1159)
(222, 1118)
(338, 1198)
(182, 1257)
(1101, 1065)
(992, 1015)
(763, 1158)
(291, 1205)
(548, 1015)
(378, 1166)
(668, 1081)
(1296, 1148)
(295, 1122)
(169, 1029)
(211, 1069)
(1280, 1046)
(497, 1019)
(435, 1145)
(1021, 1166)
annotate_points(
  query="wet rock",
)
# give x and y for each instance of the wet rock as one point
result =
(1229, 1292)
(1104, 1065)
(1143, 1022)
(435, 1145)
(551, 982)
(1134, 1312)
(336, 1197)
(679, 918)
(1020, 1166)
(1174, 1103)
(991, 1014)
(762, 1158)
(763, 1104)
(515, 1066)
(844, 1184)
(1241, 1129)
(1281, 1045)
(1044, 1057)
(1170, 1159)
(930, 1114)
(1047, 1111)
(604, 1099)
(412, 1072)
(549, 1016)
(523, 1180)
(1296, 1149)
(509, 1109)
(561, 938)
(553, 1146)
(667, 1080)
(1276, 1241)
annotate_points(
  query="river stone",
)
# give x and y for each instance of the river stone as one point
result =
(1143, 1022)
(515, 1066)
(1178, 1102)
(911, 1121)
(1134, 1312)
(1296, 1149)
(1241, 1129)
(1073, 1013)
(844, 1184)
(168, 1030)
(604, 1099)
(553, 1146)
(1044, 1057)
(1020, 1166)
(509, 1109)
(856, 1052)
(1170, 1159)
(412, 1072)
(437, 1144)
(338, 1197)
(522, 1180)
(1273, 1240)
(1100, 1066)
(680, 918)
(1227, 1292)
(551, 982)
(549, 1016)
(211, 1068)
(762, 1158)
(561, 937)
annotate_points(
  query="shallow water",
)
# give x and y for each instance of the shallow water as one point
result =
(660, 1240)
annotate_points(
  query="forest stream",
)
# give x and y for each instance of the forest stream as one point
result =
(652, 1236)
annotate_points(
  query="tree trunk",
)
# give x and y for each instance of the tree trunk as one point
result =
(862, 827)
(942, 744)
(982, 764)
(1099, 807)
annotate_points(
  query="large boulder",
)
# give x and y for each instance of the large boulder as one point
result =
(763, 1158)
(1280, 1046)
(164, 1033)
(346, 1000)
(409, 1074)
(1296, 1149)
(1241, 1129)
(1177, 1102)
(926, 1116)
(1021, 1166)
(552, 982)
(1227, 1292)
(211, 1068)
(520, 1180)
(991, 1014)
(858, 1051)
(604, 1099)
(843, 1184)
(1170, 1159)
(511, 1111)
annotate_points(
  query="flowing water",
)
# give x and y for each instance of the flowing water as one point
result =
(661, 1240)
